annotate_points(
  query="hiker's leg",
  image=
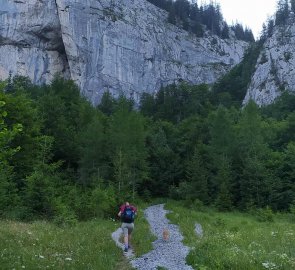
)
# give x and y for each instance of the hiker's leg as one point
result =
(126, 238)
(130, 229)
(125, 233)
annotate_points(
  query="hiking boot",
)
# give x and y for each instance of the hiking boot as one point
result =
(125, 249)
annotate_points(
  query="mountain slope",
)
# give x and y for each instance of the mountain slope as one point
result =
(125, 47)
(275, 67)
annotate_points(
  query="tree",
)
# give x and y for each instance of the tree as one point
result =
(222, 145)
(235, 83)
(225, 31)
(42, 185)
(285, 188)
(282, 12)
(94, 163)
(254, 152)
(22, 110)
(127, 138)
(107, 104)
(164, 162)
(9, 198)
(197, 177)
(65, 113)
(224, 178)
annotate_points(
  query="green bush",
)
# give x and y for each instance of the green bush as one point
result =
(264, 215)
(292, 213)
(63, 214)
(103, 202)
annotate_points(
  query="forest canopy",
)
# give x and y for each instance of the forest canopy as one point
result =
(198, 18)
(63, 159)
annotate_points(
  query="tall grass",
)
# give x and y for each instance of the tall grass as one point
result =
(87, 245)
(142, 237)
(235, 240)
(41, 245)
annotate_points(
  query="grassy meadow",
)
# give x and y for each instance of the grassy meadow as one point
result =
(235, 241)
(87, 245)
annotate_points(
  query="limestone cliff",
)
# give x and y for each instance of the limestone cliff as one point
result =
(120, 46)
(275, 68)
(30, 40)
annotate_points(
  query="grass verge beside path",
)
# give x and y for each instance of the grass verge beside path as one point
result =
(142, 236)
(235, 241)
(41, 245)
(88, 245)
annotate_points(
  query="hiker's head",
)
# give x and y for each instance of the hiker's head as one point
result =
(127, 203)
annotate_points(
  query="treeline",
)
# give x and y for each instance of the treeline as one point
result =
(197, 19)
(284, 9)
(63, 159)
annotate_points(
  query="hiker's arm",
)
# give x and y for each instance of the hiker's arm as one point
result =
(119, 214)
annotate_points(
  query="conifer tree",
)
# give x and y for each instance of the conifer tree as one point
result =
(9, 198)
(197, 177)
(224, 180)
(253, 153)
(127, 137)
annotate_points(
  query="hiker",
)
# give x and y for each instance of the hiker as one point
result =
(127, 213)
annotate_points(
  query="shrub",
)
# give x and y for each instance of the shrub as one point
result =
(264, 215)
(292, 212)
(103, 202)
(63, 214)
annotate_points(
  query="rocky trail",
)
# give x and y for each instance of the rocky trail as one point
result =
(169, 254)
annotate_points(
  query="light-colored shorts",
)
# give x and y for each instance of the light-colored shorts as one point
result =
(127, 228)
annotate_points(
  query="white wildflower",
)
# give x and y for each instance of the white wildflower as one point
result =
(68, 259)
(41, 256)
(269, 265)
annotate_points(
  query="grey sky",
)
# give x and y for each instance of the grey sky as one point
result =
(251, 13)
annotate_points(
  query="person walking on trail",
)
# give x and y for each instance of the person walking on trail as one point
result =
(127, 214)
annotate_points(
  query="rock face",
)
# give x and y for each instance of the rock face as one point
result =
(125, 47)
(275, 68)
(30, 40)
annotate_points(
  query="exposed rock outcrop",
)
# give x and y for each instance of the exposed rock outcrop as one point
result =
(125, 47)
(275, 68)
(30, 40)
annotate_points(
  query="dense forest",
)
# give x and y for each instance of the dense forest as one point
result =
(63, 159)
(197, 19)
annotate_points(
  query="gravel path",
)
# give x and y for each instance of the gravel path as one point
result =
(168, 254)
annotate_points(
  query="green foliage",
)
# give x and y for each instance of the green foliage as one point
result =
(64, 216)
(175, 103)
(64, 160)
(9, 198)
(65, 114)
(94, 162)
(231, 88)
(234, 240)
(264, 215)
(197, 175)
(128, 133)
(164, 162)
(103, 201)
(41, 245)
(292, 212)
